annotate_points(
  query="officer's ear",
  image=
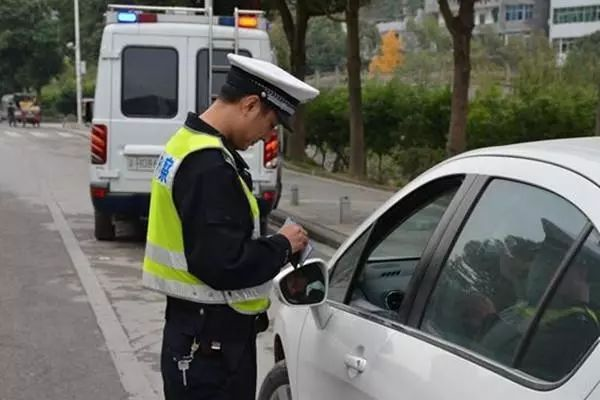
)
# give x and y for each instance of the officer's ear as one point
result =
(250, 105)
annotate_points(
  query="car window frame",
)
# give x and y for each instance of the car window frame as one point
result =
(412, 201)
(547, 298)
(425, 292)
(177, 94)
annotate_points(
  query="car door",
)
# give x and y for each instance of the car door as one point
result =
(369, 286)
(483, 309)
(507, 311)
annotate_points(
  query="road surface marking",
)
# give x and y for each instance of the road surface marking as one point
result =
(39, 134)
(65, 134)
(12, 134)
(123, 355)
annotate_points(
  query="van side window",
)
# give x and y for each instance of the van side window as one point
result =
(149, 92)
(220, 68)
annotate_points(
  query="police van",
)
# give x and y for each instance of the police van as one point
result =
(155, 65)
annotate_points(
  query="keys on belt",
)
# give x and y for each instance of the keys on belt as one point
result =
(183, 364)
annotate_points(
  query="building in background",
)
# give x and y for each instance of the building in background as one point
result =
(506, 17)
(570, 20)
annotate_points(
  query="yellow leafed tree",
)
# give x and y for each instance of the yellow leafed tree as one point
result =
(391, 54)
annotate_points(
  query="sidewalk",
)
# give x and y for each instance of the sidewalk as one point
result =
(319, 205)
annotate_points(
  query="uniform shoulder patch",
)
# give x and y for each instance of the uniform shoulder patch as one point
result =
(163, 168)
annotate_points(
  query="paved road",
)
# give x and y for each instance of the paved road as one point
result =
(75, 321)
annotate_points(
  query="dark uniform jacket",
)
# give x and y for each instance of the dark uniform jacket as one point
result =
(217, 227)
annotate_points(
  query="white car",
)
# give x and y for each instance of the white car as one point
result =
(478, 280)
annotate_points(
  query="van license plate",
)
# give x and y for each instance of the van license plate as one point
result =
(141, 163)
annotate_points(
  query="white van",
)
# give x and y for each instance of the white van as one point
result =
(155, 65)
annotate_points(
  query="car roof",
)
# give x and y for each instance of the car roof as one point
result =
(581, 155)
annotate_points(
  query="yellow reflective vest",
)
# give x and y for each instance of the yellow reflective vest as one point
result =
(552, 315)
(165, 265)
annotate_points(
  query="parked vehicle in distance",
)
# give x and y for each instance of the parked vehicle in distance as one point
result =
(156, 64)
(27, 109)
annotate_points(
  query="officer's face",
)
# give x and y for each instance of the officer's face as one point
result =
(257, 121)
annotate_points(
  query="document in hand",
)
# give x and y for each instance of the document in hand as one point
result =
(298, 260)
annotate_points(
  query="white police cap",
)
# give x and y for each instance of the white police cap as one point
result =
(281, 90)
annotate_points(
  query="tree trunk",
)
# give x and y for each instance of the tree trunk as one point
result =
(379, 167)
(461, 29)
(336, 163)
(298, 65)
(357, 140)
(598, 114)
(460, 93)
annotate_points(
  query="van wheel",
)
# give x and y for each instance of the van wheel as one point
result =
(276, 385)
(104, 229)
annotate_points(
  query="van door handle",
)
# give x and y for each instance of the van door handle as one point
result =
(355, 363)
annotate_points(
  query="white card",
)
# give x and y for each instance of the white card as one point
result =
(309, 246)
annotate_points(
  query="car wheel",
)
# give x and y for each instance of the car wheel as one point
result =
(276, 385)
(104, 229)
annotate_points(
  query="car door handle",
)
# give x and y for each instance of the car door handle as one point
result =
(355, 363)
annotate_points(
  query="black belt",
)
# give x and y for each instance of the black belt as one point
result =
(218, 321)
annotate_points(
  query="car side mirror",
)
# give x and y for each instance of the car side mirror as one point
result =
(303, 286)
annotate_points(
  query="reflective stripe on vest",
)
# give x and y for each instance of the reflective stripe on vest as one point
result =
(553, 315)
(165, 265)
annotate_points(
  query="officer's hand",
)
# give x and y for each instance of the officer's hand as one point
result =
(296, 235)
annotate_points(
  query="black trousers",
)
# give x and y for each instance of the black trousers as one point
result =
(223, 367)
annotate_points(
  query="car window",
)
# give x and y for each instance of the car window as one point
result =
(569, 325)
(501, 264)
(220, 69)
(344, 268)
(391, 260)
(149, 92)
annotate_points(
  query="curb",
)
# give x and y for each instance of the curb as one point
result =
(70, 127)
(79, 132)
(318, 172)
(317, 232)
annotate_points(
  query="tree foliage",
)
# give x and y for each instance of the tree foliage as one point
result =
(429, 34)
(388, 10)
(58, 96)
(391, 54)
(29, 45)
(409, 123)
(428, 59)
(325, 45)
(583, 66)
(583, 60)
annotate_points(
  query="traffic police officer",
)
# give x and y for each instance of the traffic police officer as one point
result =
(204, 250)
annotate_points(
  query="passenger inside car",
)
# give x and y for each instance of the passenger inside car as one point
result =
(567, 326)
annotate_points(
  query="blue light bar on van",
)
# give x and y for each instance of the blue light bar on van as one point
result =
(127, 17)
(227, 21)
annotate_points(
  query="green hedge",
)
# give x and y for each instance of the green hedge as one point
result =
(408, 124)
(557, 111)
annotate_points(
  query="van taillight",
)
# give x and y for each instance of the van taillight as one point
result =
(98, 142)
(271, 150)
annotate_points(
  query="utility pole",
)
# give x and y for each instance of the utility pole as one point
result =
(77, 62)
